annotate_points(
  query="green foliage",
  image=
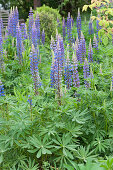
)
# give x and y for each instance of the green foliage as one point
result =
(104, 14)
(48, 19)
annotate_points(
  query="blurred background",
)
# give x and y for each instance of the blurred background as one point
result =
(64, 6)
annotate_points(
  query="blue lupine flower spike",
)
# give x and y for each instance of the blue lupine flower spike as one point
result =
(1, 89)
(90, 53)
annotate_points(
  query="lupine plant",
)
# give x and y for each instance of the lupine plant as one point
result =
(79, 24)
(37, 23)
(91, 29)
(43, 37)
(56, 105)
(76, 80)
(95, 43)
(34, 36)
(69, 27)
(64, 28)
(19, 43)
(31, 21)
(34, 70)
(24, 31)
(1, 89)
(86, 73)
(90, 53)
(1, 48)
(68, 71)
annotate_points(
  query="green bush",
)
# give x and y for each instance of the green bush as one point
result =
(48, 20)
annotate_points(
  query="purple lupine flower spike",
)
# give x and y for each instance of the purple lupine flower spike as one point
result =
(1, 89)
(1, 49)
(68, 71)
(76, 81)
(86, 73)
(91, 29)
(58, 22)
(98, 27)
(19, 43)
(37, 23)
(62, 49)
(69, 27)
(64, 28)
(78, 52)
(31, 21)
(30, 100)
(34, 69)
(34, 36)
(43, 37)
(95, 43)
(13, 21)
(52, 74)
(90, 53)
(23, 31)
(79, 24)
(112, 36)
(82, 48)
(56, 69)
(1, 23)
(72, 21)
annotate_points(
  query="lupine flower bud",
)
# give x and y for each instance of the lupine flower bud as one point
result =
(78, 51)
(82, 48)
(91, 73)
(37, 23)
(86, 73)
(76, 81)
(43, 37)
(91, 29)
(95, 43)
(23, 31)
(79, 24)
(97, 30)
(31, 21)
(100, 69)
(68, 71)
(30, 100)
(19, 43)
(1, 49)
(69, 28)
(63, 28)
(1, 89)
(72, 21)
(52, 74)
(58, 22)
(90, 53)
(34, 69)
(34, 36)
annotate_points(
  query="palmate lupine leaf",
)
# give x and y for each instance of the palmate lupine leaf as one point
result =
(100, 145)
(79, 117)
(64, 148)
(40, 146)
(73, 129)
(84, 153)
(29, 165)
